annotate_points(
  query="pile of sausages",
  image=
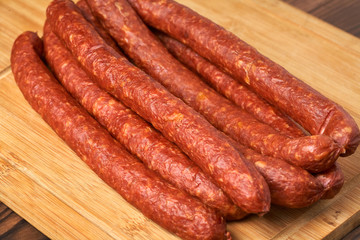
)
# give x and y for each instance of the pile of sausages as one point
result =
(186, 121)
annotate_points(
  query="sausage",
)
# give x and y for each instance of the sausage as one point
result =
(232, 89)
(290, 186)
(314, 153)
(332, 180)
(316, 113)
(306, 190)
(178, 122)
(86, 12)
(298, 189)
(134, 133)
(106, 157)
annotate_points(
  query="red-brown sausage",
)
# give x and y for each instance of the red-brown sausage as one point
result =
(178, 122)
(314, 153)
(332, 180)
(309, 108)
(290, 186)
(185, 216)
(133, 132)
(86, 11)
(298, 189)
(232, 89)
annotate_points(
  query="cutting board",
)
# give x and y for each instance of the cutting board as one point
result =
(48, 185)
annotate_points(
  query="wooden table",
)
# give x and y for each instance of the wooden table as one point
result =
(341, 13)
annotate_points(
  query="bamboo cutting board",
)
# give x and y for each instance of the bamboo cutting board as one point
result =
(48, 185)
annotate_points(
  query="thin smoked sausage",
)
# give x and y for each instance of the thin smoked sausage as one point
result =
(232, 89)
(86, 11)
(289, 185)
(332, 180)
(178, 122)
(314, 153)
(316, 113)
(134, 133)
(171, 208)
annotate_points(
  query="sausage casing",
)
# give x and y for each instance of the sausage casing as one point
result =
(133, 132)
(86, 11)
(166, 205)
(332, 180)
(316, 113)
(232, 89)
(177, 121)
(314, 153)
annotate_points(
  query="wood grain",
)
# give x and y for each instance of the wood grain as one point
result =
(49, 186)
(353, 235)
(340, 13)
(18, 16)
(12, 226)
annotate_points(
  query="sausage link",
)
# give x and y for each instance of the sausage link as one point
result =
(299, 189)
(185, 216)
(332, 180)
(232, 89)
(134, 133)
(316, 113)
(290, 186)
(300, 193)
(178, 122)
(315, 153)
(86, 12)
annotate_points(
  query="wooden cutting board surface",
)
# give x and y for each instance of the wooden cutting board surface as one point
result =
(48, 185)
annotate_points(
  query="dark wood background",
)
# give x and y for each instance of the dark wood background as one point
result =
(344, 14)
